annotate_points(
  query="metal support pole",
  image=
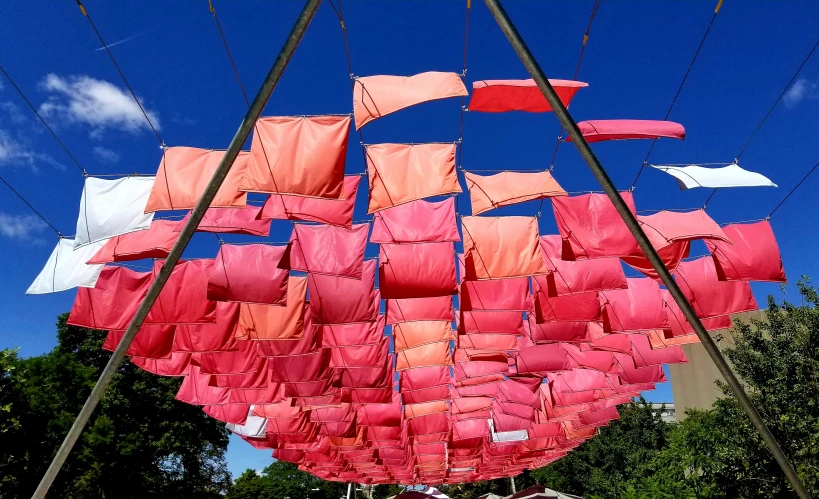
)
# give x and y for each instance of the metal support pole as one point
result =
(270, 82)
(631, 221)
(514, 489)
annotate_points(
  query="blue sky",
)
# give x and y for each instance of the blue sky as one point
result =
(174, 59)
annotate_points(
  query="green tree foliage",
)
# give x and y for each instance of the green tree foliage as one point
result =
(282, 479)
(140, 442)
(384, 491)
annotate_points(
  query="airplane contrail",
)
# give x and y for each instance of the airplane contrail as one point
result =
(121, 41)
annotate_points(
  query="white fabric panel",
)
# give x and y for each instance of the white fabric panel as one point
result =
(66, 268)
(507, 436)
(255, 427)
(110, 208)
(727, 176)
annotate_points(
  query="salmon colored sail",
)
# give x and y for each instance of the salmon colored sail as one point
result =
(600, 130)
(416, 222)
(377, 96)
(183, 174)
(399, 173)
(326, 211)
(413, 334)
(500, 96)
(271, 322)
(506, 188)
(500, 247)
(249, 273)
(431, 354)
(301, 156)
(437, 308)
(156, 242)
(230, 221)
(752, 256)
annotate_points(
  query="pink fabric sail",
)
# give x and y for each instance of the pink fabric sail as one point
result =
(436, 308)
(416, 222)
(580, 276)
(487, 341)
(300, 368)
(499, 322)
(413, 334)
(499, 294)
(184, 300)
(249, 273)
(342, 335)
(359, 356)
(241, 361)
(431, 354)
(507, 188)
(591, 227)
(417, 270)
(542, 359)
(710, 297)
(752, 256)
(156, 242)
(550, 332)
(112, 303)
(327, 249)
(678, 324)
(216, 337)
(671, 255)
(377, 96)
(600, 130)
(301, 156)
(400, 173)
(574, 307)
(326, 211)
(667, 227)
(176, 365)
(183, 174)
(230, 221)
(152, 342)
(340, 300)
(637, 308)
(501, 247)
(195, 389)
(424, 377)
(276, 322)
(500, 96)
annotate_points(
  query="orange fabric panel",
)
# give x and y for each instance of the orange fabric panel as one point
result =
(431, 354)
(272, 322)
(505, 188)
(399, 173)
(300, 156)
(499, 247)
(413, 334)
(424, 408)
(183, 174)
(377, 96)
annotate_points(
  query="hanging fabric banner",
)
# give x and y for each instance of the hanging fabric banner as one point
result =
(327, 249)
(341, 300)
(417, 270)
(67, 268)
(272, 322)
(501, 247)
(326, 211)
(230, 221)
(753, 254)
(591, 227)
(249, 273)
(507, 188)
(156, 242)
(689, 177)
(600, 130)
(500, 96)
(111, 208)
(416, 222)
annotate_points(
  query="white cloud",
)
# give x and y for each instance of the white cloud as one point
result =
(20, 227)
(97, 103)
(10, 112)
(13, 151)
(800, 90)
(106, 155)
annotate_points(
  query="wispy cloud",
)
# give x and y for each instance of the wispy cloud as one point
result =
(800, 90)
(118, 42)
(97, 103)
(20, 227)
(13, 151)
(106, 155)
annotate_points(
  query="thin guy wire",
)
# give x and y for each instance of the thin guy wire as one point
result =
(771, 110)
(34, 110)
(460, 146)
(12, 189)
(121, 74)
(794, 189)
(229, 54)
(679, 90)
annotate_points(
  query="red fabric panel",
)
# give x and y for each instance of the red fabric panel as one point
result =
(112, 303)
(593, 418)
(360, 356)
(637, 308)
(574, 307)
(381, 414)
(630, 374)
(671, 256)
(241, 361)
(487, 341)
(417, 270)
(326, 211)
(440, 392)
(183, 300)
(270, 395)
(230, 221)
(253, 380)
(183, 174)
(300, 368)
(550, 332)
(435, 308)
(425, 408)
(400, 173)
(518, 393)
(327, 249)
(340, 300)
(499, 247)
(480, 322)
(431, 354)
(479, 368)
(279, 410)
(309, 344)
(465, 354)
(424, 377)
(666, 227)
(508, 188)
(156, 242)
(569, 277)
(679, 324)
(416, 222)
(578, 380)
(344, 335)
(753, 256)
(377, 96)
(496, 294)
(506, 422)
(710, 297)
(542, 359)
(230, 413)
(153, 342)
(645, 355)
(591, 227)
(176, 365)
(249, 273)
(367, 395)
(499, 96)
(600, 130)
(471, 407)
(470, 428)
(369, 377)
(309, 388)
(298, 155)
(428, 425)
(589, 359)
(273, 322)
(195, 389)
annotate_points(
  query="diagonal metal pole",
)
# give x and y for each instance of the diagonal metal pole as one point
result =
(270, 82)
(608, 186)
